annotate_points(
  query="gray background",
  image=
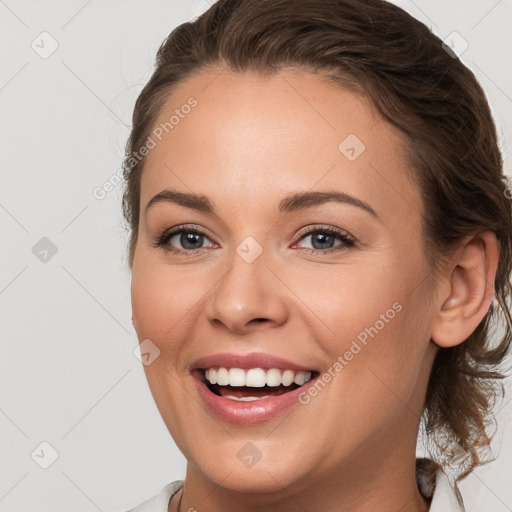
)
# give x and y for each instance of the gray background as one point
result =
(68, 375)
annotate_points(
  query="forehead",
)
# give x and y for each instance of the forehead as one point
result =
(251, 139)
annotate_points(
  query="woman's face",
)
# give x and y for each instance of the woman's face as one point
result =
(350, 304)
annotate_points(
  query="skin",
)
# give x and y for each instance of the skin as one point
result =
(250, 141)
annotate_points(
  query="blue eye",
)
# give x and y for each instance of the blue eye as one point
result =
(189, 239)
(326, 236)
(192, 239)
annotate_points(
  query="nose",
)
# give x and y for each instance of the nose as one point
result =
(248, 297)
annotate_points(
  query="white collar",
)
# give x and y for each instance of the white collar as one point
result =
(434, 483)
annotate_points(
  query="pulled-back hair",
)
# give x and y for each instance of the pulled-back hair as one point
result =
(418, 85)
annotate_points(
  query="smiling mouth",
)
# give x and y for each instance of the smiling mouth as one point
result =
(262, 390)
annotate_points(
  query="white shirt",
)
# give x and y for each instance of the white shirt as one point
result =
(432, 484)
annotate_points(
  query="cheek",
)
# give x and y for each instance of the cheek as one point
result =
(389, 357)
(348, 298)
(161, 300)
(377, 320)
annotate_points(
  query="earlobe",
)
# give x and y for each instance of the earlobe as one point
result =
(467, 292)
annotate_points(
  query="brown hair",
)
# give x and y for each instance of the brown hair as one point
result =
(418, 85)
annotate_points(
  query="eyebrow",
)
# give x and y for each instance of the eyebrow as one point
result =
(293, 202)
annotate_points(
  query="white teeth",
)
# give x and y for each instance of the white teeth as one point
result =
(222, 377)
(255, 377)
(300, 378)
(236, 377)
(287, 377)
(211, 376)
(246, 398)
(273, 377)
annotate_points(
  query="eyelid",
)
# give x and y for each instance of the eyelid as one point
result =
(308, 230)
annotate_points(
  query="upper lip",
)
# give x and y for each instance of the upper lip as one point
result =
(247, 361)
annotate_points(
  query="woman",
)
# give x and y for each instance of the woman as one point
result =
(320, 236)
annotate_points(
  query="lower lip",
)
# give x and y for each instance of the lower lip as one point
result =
(247, 413)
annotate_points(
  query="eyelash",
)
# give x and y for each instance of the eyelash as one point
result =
(161, 240)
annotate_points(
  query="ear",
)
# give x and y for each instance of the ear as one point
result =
(467, 290)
